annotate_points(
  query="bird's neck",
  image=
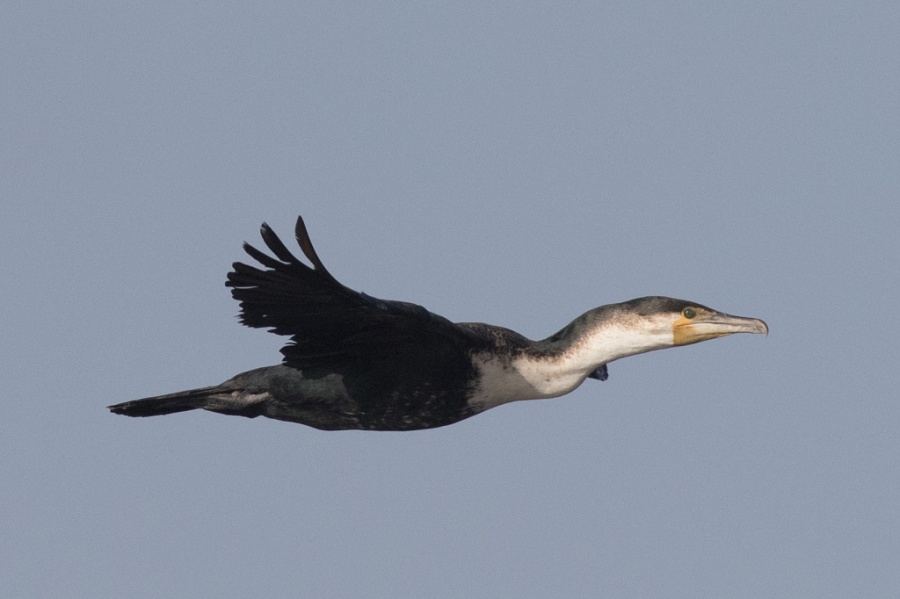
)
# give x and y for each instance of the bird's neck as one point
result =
(558, 364)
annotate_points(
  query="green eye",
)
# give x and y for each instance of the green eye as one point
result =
(688, 313)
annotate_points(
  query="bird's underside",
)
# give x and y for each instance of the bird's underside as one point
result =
(357, 362)
(322, 401)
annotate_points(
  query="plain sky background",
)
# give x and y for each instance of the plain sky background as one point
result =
(513, 163)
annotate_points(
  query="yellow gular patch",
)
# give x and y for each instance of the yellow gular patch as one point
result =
(692, 330)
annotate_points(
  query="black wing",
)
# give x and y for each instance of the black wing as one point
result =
(330, 324)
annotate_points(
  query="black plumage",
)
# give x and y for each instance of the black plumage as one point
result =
(353, 361)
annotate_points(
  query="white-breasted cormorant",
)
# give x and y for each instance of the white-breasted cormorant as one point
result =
(358, 362)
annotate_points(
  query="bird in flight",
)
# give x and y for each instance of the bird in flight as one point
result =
(358, 362)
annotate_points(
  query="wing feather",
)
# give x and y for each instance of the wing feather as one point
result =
(329, 322)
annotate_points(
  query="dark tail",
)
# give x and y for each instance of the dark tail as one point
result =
(167, 404)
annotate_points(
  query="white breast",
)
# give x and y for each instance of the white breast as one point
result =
(502, 381)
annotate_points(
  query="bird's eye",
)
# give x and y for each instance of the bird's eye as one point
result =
(688, 313)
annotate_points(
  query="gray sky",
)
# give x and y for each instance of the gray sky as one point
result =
(509, 163)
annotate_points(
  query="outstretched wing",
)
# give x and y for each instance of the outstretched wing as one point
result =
(329, 323)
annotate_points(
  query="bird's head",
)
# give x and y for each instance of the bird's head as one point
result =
(677, 322)
(650, 323)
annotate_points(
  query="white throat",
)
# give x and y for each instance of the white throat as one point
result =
(539, 376)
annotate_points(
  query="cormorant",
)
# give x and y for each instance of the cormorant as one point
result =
(358, 362)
